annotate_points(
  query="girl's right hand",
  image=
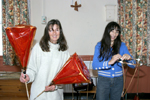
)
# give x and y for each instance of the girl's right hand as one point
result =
(114, 59)
(24, 78)
(50, 88)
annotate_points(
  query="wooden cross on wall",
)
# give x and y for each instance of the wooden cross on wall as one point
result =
(76, 6)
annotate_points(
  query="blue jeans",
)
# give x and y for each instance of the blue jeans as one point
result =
(109, 88)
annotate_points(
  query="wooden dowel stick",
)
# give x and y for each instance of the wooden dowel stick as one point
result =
(27, 90)
(39, 94)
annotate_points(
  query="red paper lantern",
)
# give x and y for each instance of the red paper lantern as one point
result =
(21, 37)
(73, 71)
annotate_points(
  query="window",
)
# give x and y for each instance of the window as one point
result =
(1, 47)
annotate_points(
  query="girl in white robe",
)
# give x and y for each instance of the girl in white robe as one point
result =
(47, 58)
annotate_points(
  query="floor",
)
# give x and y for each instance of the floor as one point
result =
(70, 96)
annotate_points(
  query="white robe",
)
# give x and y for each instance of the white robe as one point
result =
(42, 68)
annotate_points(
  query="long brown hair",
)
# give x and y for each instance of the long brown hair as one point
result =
(46, 38)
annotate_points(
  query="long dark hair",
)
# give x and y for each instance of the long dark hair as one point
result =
(61, 41)
(105, 50)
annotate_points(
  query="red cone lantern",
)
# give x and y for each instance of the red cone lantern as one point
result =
(21, 37)
(73, 71)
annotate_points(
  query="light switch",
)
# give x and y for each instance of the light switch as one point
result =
(110, 12)
(110, 15)
(43, 19)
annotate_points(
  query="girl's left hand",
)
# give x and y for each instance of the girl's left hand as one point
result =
(49, 88)
(126, 57)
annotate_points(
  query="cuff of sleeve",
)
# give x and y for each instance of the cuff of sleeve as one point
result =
(108, 66)
(132, 62)
(30, 77)
(56, 87)
(105, 65)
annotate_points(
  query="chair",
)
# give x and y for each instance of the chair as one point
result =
(90, 91)
(93, 74)
(85, 88)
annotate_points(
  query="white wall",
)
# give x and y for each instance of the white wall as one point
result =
(82, 29)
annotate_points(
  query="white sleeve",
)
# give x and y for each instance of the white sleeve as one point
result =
(33, 63)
